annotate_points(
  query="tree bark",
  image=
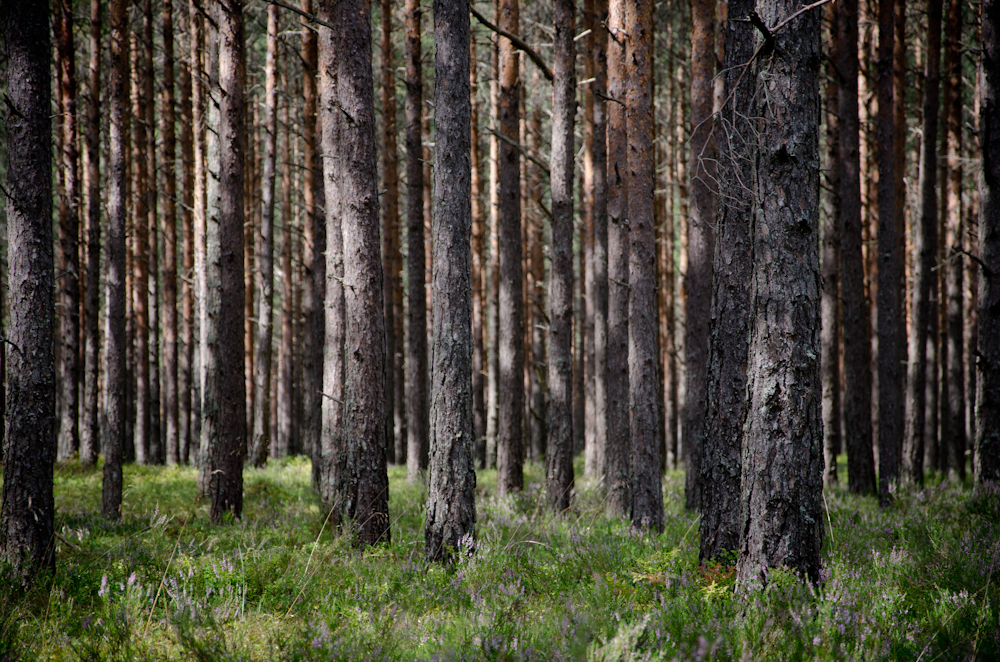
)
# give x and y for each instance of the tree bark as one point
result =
(156, 450)
(451, 510)
(701, 241)
(416, 340)
(226, 485)
(27, 517)
(69, 239)
(90, 432)
(510, 328)
(362, 480)
(478, 272)
(856, 322)
(987, 458)
(287, 421)
(559, 460)
(782, 461)
(925, 247)
(168, 120)
(599, 265)
(140, 261)
(261, 447)
(616, 478)
(186, 356)
(732, 274)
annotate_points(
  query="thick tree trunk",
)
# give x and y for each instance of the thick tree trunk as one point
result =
(416, 339)
(782, 462)
(27, 517)
(140, 261)
(701, 240)
(925, 247)
(261, 447)
(559, 460)
(643, 353)
(890, 272)
(226, 486)
(478, 273)
(856, 322)
(451, 509)
(69, 239)
(90, 428)
(731, 304)
(510, 329)
(168, 118)
(616, 478)
(362, 480)
(987, 458)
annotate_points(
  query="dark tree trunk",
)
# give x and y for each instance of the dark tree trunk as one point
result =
(27, 517)
(186, 357)
(856, 322)
(890, 271)
(701, 224)
(90, 428)
(226, 486)
(926, 248)
(168, 118)
(156, 451)
(731, 275)
(115, 377)
(288, 423)
(478, 272)
(616, 478)
(643, 353)
(261, 447)
(510, 451)
(69, 239)
(363, 483)
(559, 460)
(416, 340)
(782, 464)
(987, 458)
(451, 508)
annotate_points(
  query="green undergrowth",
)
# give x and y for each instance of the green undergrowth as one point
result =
(917, 581)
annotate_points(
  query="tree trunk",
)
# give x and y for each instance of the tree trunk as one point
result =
(416, 340)
(987, 457)
(559, 460)
(925, 247)
(27, 517)
(156, 451)
(731, 303)
(140, 261)
(261, 447)
(201, 181)
(493, 300)
(362, 482)
(226, 485)
(782, 463)
(616, 478)
(170, 405)
(643, 353)
(598, 273)
(700, 242)
(587, 241)
(478, 274)
(186, 356)
(536, 414)
(856, 322)
(287, 421)
(510, 329)
(890, 271)
(69, 239)
(451, 509)
(90, 437)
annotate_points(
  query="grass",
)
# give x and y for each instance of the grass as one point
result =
(915, 582)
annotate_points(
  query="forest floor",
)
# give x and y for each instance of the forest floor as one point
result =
(915, 582)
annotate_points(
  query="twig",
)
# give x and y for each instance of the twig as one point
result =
(803, 10)
(306, 15)
(514, 39)
(516, 145)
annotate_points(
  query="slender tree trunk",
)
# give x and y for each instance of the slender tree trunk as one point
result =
(587, 239)
(599, 265)
(643, 354)
(90, 437)
(156, 451)
(451, 508)
(536, 414)
(286, 361)
(69, 242)
(186, 356)
(416, 341)
(168, 119)
(987, 456)
(27, 517)
(201, 183)
(493, 301)
(362, 482)
(926, 248)
(731, 303)
(226, 486)
(856, 322)
(890, 271)
(261, 447)
(618, 436)
(478, 274)
(782, 464)
(140, 261)
(700, 241)
(559, 460)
